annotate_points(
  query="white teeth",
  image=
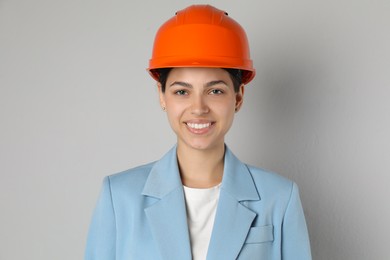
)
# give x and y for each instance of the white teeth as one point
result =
(198, 126)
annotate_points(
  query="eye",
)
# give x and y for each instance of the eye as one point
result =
(181, 92)
(216, 92)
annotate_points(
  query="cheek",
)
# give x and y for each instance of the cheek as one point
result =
(226, 108)
(174, 113)
(228, 112)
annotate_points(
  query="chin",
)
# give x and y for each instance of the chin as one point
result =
(203, 145)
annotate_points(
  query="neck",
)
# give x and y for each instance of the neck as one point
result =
(200, 168)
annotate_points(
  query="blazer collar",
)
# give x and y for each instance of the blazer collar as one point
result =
(165, 177)
(233, 219)
(237, 180)
(168, 219)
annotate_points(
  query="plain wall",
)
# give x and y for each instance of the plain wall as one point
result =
(76, 104)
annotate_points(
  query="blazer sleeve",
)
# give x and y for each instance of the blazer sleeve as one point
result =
(295, 238)
(102, 231)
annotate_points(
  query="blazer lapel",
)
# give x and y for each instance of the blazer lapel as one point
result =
(233, 220)
(167, 217)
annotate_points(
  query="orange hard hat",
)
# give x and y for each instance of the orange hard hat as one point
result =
(201, 36)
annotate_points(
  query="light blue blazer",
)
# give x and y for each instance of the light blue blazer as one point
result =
(141, 214)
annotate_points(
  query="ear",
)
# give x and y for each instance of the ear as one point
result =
(161, 96)
(240, 97)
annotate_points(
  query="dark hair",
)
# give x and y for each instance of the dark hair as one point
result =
(235, 75)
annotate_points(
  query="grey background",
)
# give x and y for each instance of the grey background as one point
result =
(76, 104)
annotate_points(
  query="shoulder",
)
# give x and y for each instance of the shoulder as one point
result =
(270, 184)
(270, 177)
(129, 180)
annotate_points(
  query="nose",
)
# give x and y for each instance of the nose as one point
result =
(199, 105)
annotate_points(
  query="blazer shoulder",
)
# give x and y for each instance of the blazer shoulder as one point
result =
(268, 182)
(268, 175)
(136, 176)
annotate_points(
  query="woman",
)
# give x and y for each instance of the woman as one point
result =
(199, 201)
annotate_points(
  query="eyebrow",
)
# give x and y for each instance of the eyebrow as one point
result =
(207, 85)
(181, 83)
(215, 82)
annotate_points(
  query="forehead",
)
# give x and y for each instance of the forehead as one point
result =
(198, 75)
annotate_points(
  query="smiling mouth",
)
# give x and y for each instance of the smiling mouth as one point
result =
(198, 126)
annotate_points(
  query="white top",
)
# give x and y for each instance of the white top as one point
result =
(201, 208)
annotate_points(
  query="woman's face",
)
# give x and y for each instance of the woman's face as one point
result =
(200, 104)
